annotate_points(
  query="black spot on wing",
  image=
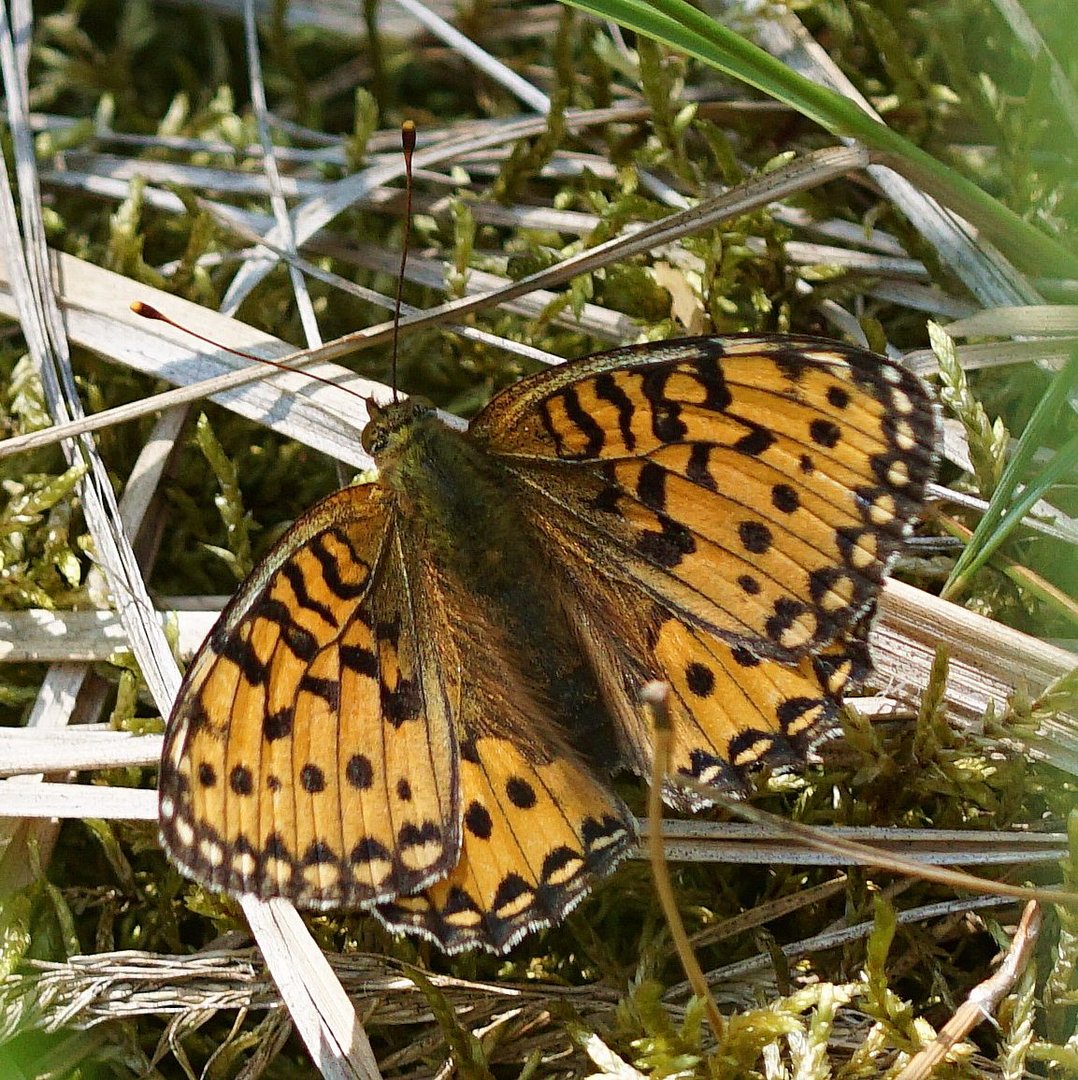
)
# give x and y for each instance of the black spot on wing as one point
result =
(825, 433)
(669, 546)
(785, 498)
(278, 725)
(477, 821)
(312, 779)
(755, 537)
(359, 772)
(521, 793)
(838, 397)
(402, 704)
(240, 780)
(651, 486)
(749, 585)
(700, 679)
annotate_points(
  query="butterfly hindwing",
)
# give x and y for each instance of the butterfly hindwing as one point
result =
(730, 710)
(537, 834)
(538, 826)
(760, 486)
(298, 717)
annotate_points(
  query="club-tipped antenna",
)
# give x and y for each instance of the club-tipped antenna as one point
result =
(148, 311)
(408, 148)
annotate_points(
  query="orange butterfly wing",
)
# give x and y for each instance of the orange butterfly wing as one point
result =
(538, 825)
(378, 720)
(309, 703)
(759, 486)
(724, 510)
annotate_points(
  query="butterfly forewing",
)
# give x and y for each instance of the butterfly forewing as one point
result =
(758, 486)
(296, 720)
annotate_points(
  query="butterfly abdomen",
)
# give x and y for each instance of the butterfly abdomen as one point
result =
(459, 506)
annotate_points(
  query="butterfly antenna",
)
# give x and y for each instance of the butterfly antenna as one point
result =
(408, 147)
(148, 311)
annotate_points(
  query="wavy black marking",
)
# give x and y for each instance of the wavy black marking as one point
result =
(607, 389)
(298, 581)
(666, 423)
(330, 564)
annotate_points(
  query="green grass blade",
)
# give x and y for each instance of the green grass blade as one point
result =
(678, 24)
(1002, 515)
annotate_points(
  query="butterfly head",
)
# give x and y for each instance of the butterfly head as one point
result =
(389, 426)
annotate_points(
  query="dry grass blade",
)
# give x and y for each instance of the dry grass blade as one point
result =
(312, 992)
(168, 354)
(983, 270)
(654, 700)
(989, 661)
(983, 1001)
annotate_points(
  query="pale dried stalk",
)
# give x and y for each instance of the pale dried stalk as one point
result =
(983, 1000)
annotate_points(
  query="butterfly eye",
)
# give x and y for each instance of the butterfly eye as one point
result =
(373, 437)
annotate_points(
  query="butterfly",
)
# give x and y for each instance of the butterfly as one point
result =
(415, 702)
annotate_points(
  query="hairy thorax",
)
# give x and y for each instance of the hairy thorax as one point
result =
(462, 507)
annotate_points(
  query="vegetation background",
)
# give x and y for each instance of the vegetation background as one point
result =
(146, 132)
